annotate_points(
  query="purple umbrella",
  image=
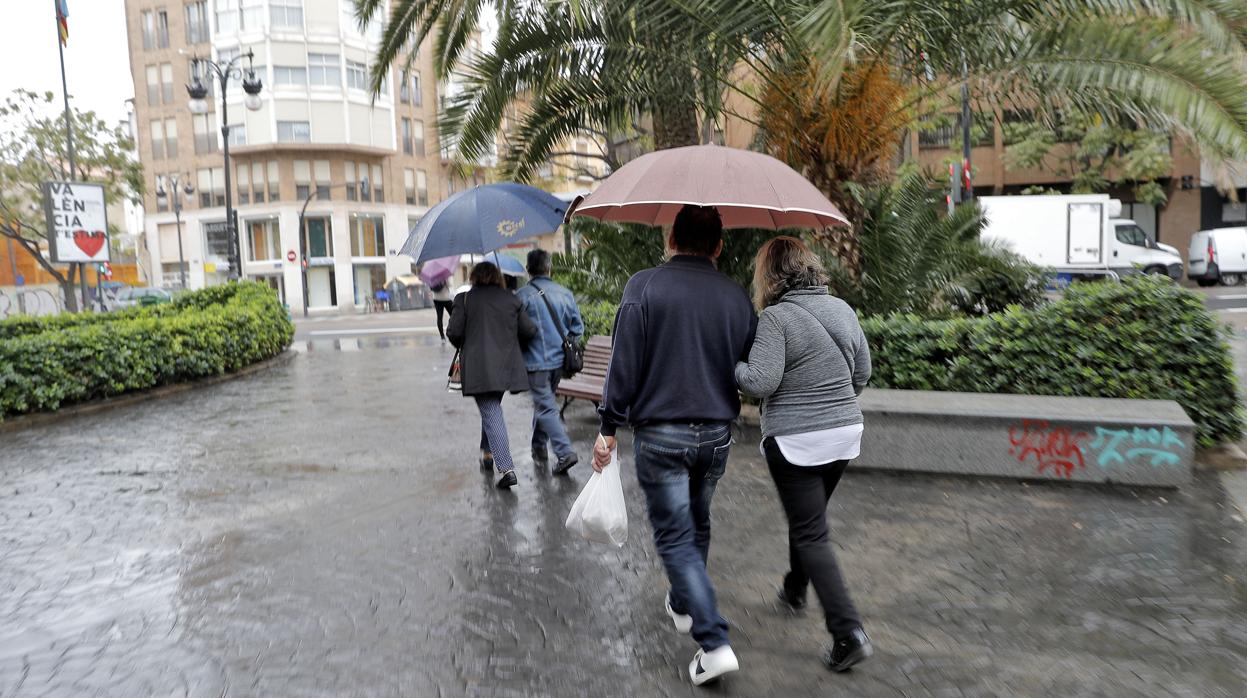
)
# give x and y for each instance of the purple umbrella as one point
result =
(435, 271)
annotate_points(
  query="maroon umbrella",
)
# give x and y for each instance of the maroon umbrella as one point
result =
(751, 190)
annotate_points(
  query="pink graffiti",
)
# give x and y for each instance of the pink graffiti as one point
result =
(1055, 449)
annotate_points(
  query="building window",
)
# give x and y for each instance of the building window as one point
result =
(404, 90)
(356, 75)
(274, 184)
(365, 187)
(352, 194)
(171, 138)
(378, 188)
(302, 179)
(407, 148)
(264, 240)
(286, 14)
(422, 188)
(317, 240)
(211, 187)
(166, 82)
(158, 139)
(294, 132)
(242, 180)
(153, 84)
(320, 173)
(367, 236)
(238, 134)
(289, 75)
(155, 29)
(204, 126)
(197, 22)
(418, 136)
(417, 97)
(1233, 212)
(409, 186)
(149, 30)
(323, 69)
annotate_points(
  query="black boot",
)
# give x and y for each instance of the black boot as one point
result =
(487, 461)
(508, 480)
(565, 463)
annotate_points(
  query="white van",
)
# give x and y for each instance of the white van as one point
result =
(1218, 255)
(1076, 235)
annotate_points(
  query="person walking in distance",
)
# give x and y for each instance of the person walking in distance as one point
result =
(488, 327)
(809, 363)
(552, 308)
(680, 330)
(442, 303)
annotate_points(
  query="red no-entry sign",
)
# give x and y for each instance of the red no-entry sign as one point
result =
(291, 255)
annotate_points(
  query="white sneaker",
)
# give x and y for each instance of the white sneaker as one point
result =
(708, 666)
(683, 622)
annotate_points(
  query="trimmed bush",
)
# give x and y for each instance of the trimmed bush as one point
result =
(1144, 338)
(599, 318)
(49, 362)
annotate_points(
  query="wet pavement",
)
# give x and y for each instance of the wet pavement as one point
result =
(321, 528)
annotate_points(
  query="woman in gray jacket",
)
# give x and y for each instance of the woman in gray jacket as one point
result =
(809, 362)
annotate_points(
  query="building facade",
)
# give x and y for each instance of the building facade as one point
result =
(363, 169)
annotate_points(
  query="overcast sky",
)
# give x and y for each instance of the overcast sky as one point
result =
(96, 62)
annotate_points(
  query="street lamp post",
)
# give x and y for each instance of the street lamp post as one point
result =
(162, 194)
(252, 85)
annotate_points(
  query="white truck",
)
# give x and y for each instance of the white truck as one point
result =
(1076, 235)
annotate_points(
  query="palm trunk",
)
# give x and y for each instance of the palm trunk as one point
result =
(675, 108)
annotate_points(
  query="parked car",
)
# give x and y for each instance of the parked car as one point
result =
(1218, 256)
(1077, 235)
(141, 295)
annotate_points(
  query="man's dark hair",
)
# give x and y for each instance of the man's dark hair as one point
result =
(697, 230)
(538, 263)
(487, 274)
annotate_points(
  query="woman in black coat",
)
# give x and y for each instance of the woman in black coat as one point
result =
(487, 326)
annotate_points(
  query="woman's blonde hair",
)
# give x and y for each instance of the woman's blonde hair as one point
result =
(783, 264)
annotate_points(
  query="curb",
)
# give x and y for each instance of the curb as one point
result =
(85, 408)
(1228, 456)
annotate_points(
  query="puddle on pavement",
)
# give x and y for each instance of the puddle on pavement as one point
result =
(348, 344)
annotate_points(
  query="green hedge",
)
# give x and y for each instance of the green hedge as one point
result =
(1143, 338)
(49, 362)
(599, 318)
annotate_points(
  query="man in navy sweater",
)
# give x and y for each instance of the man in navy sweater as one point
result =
(680, 330)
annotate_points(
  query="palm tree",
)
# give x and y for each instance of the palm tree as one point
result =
(611, 66)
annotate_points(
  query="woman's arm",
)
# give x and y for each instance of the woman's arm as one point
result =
(760, 376)
(458, 326)
(861, 362)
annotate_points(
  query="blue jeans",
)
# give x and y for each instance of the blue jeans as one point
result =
(546, 423)
(678, 466)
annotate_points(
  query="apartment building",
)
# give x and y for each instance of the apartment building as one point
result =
(366, 169)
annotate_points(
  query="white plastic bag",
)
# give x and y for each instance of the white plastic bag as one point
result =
(600, 513)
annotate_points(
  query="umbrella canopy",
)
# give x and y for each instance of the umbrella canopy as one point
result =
(435, 271)
(751, 190)
(483, 218)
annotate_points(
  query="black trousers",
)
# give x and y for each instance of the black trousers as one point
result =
(448, 307)
(804, 491)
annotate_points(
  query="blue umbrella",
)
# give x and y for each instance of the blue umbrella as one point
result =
(506, 263)
(482, 219)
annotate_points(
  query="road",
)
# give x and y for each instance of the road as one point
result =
(329, 327)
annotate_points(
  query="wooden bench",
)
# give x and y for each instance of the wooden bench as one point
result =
(589, 383)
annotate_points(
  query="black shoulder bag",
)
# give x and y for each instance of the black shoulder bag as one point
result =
(573, 353)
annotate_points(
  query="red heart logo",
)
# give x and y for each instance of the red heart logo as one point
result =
(90, 243)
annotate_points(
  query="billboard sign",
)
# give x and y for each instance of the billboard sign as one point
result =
(77, 222)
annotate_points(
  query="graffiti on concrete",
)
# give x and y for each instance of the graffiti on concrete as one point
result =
(1156, 447)
(1057, 450)
(35, 301)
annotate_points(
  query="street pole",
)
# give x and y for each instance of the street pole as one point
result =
(235, 264)
(21, 304)
(177, 216)
(69, 145)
